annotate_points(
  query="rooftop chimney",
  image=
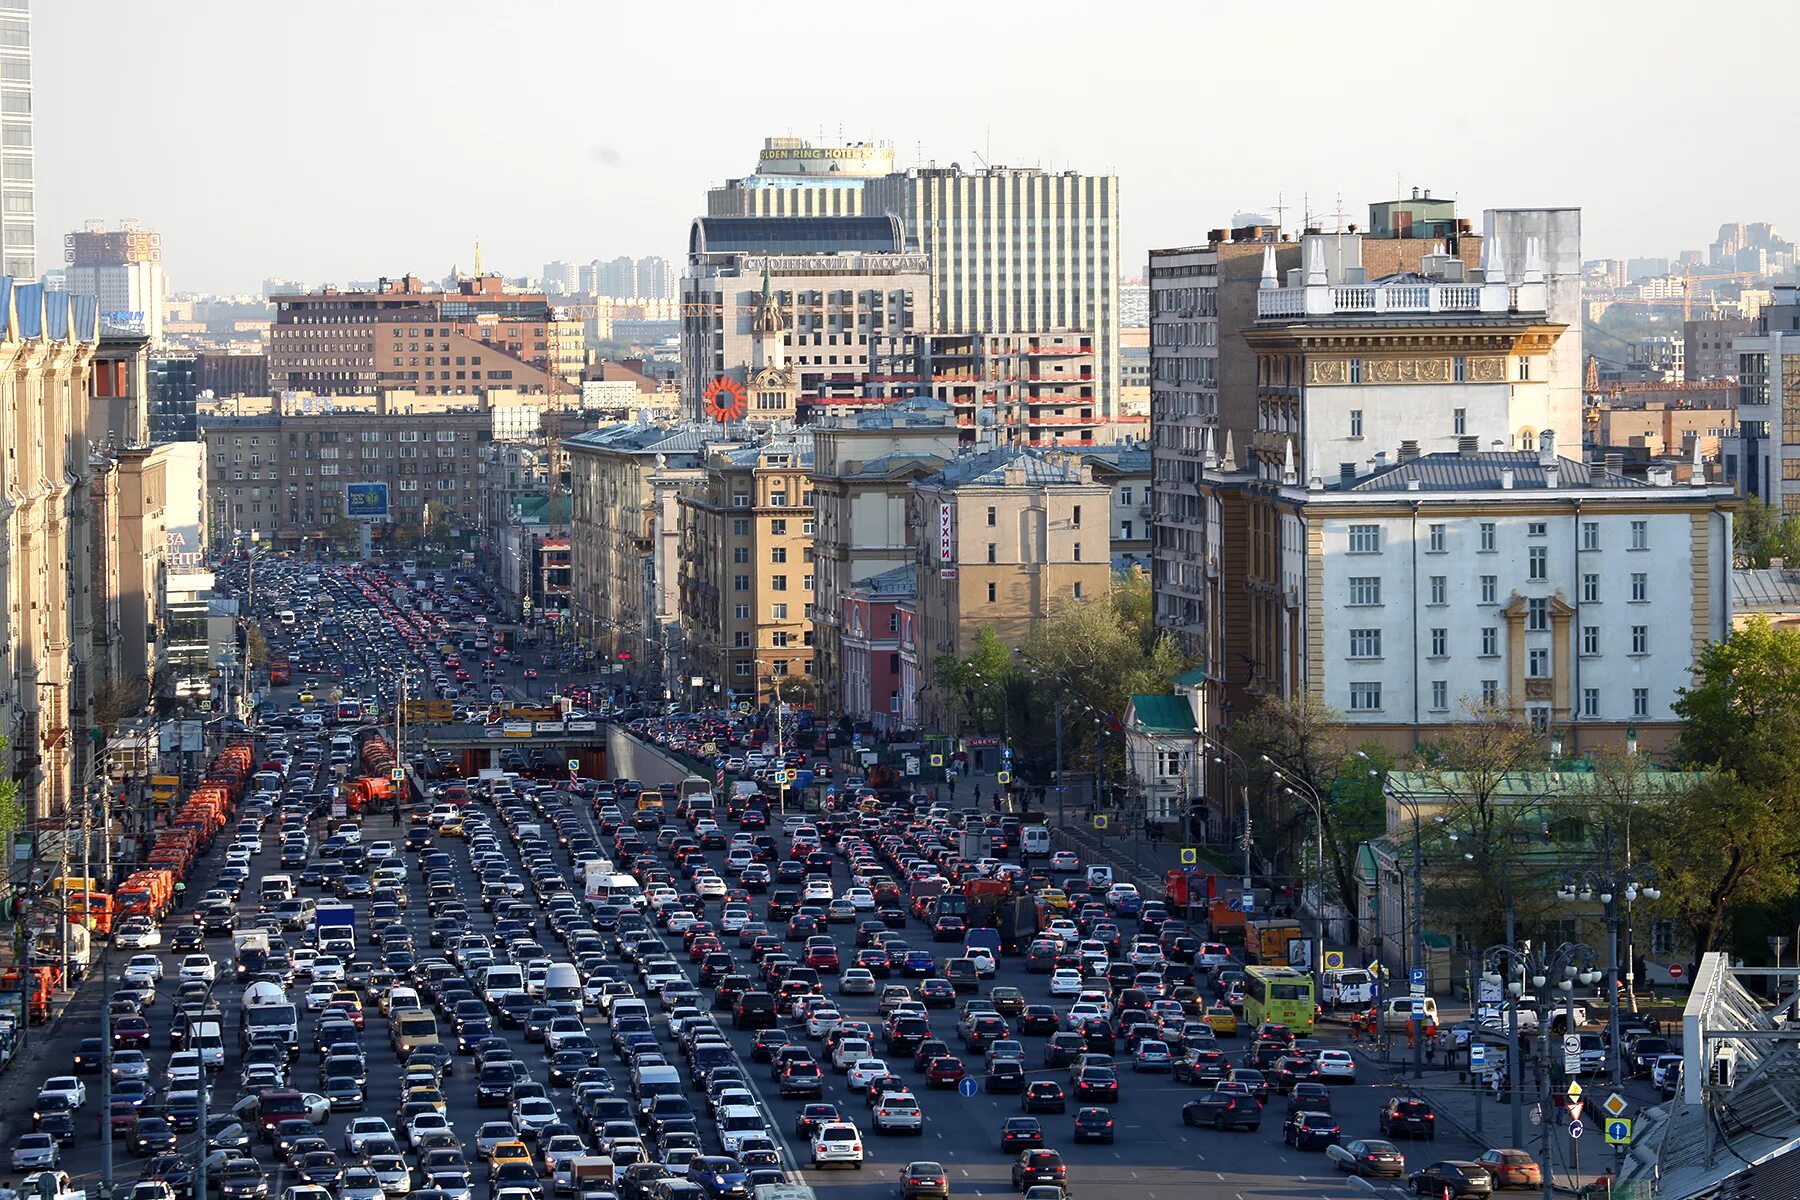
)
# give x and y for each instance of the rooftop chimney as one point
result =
(1409, 450)
(1547, 448)
(1615, 463)
(1506, 479)
(1468, 447)
(1347, 472)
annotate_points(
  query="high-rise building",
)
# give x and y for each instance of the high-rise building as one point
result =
(617, 277)
(657, 279)
(1768, 376)
(795, 178)
(122, 269)
(1015, 250)
(561, 278)
(18, 192)
(405, 335)
(174, 396)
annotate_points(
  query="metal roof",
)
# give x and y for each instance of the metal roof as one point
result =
(1161, 714)
(896, 581)
(989, 469)
(797, 235)
(1765, 589)
(1483, 472)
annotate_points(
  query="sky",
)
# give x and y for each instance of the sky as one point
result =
(328, 140)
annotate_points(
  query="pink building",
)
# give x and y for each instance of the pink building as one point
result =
(872, 687)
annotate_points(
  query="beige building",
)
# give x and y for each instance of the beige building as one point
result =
(1006, 538)
(864, 466)
(47, 617)
(1666, 420)
(795, 178)
(625, 541)
(747, 571)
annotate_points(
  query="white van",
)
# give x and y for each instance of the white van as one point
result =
(1034, 839)
(562, 982)
(1349, 987)
(499, 982)
(1401, 1008)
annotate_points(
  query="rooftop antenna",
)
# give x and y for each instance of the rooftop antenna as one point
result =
(1280, 213)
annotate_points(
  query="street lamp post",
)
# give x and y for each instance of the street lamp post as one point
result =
(1401, 795)
(1303, 790)
(1225, 757)
(1607, 886)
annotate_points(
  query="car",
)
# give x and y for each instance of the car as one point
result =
(1453, 1178)
(865, 1071)
(35, 1152)
(1511, 1168)
(1065, 981)
(67, 1087)
(1336, 1065)
(1305, 1130)
(837, 1142)
(1093, 1124)
(1223, 1110)
(1414, 1118)
(1309, 1097)
(898, 1112)
(1097, 1083)
(857, 981)
(1036, 1167)
(1043, 1095)
(1372, 1157)
(924, 1180)
(945, 1071)
(1151, 1055)
(143, 968)
(1021, 1133)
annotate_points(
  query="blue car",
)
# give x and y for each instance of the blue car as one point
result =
(720, 1178)
(919, 962)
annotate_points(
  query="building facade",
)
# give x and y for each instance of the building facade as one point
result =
(864, 466)
(795, 178)
(1016, 250)
(18, 161)
(407, 335)
(1768, 378)
(747, 571)
(874, 683)
(122, 269)
(174, 399)
(1005, 539)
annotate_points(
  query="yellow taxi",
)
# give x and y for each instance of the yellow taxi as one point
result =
(306, 697)
(1224, 1022)
(452, 828)
(425, 1095)
(1055, 899)
(509, 1152)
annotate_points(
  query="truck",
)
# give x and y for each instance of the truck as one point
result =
(333, 920)
(583, 1174)
(250, 947)
(267, 1007)
(1266, 939)
(595, 873)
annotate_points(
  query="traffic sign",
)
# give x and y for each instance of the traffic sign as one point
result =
(574, 765)
(1334, 960)
(1571, 1043)
(937, 760)
(1190, 857)
(1003, 777)
(783, 778)
(1235, 904)
(1574, 1129)
(1416, 978)
(1574, 1110)
(968, 1088)
(1101, 820)
(1675, 970)
(1249, 903)
(1477, 1054)
(398, 774)
(1575, 1089)
(1615, 1105)
(1618, 1132)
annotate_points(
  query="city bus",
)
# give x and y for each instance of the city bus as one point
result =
(1279, 994)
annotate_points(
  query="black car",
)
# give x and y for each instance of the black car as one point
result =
(1304, 1130)
(1643, 1051)
(1005, 1075)
(1021, 1133)
(1414, 1118)
(1309, 1097)
(153, 1135)
(1035, 1167)
(1453, 1177)
(1044, 1095)
(188, 938)
(1093, 1125)
(88, 1055)
(1373, 1157)
(1223, 1110)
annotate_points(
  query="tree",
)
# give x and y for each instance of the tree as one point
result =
(12, 809)
(1743, 714)
(341, 532)
(1760, 532)
(976, 685)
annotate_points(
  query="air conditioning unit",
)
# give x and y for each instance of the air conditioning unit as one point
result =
(1724, 1067)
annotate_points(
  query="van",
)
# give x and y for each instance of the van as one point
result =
(626, 1009)
(1349, 987)
(1099, 877)
(1034, 839)
(499, 982)
(1400, 1008)
(562, 982)
(275, 888)
(208, 1037)
(414, 1028)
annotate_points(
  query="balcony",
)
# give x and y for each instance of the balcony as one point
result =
(1373, 299)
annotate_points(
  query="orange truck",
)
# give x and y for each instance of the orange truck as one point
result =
(44, 982)
(93, 909)
(146, 893)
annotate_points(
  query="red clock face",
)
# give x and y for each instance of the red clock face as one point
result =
(724, 399)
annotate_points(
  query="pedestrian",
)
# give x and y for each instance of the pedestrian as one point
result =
(978, 794)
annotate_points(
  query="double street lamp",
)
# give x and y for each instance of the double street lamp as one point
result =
(1608, 887)
(1302, 790)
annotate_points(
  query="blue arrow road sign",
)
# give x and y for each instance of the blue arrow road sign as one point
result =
(968, 1087)
(1618, 1131)
(1574, 1129)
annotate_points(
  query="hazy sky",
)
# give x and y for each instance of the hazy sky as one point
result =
(334, 140)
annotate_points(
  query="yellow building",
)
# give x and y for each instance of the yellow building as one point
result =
(747, 571)
(1004, 538)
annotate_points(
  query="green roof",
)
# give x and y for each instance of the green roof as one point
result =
(1162, 714)
(1514, 785)
(1191, 678)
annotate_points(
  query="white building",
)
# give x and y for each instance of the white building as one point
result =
(1016, 249)
(18, 192)
(795, 178)
(1576, 598)
(122, 269)
(1768, 388)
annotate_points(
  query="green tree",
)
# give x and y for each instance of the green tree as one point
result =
(1720, 845)
(1760, 533)
(12, 809)
(341, 532)
(977, 685)
(1743, 714)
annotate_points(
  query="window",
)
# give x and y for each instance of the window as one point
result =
(740, 554)
(1075, 517)
(806, 582)
(1440, 695)
(1490, 691)
(1434, 539)
(1640, 702)
(1440, 642)
(1640, 587)
(894, 622)
(1537, 614)
(1590, 535)
(1078, 594)
(1524, 368)
(1125, 496)
(1365, 589)
(1356, 370)
(740, 669)
(1537, 663)
(808, 527)
(1077, 551)
(740, 500)
(1590, 702)
(1490, 641)
(778, 525)
(1168, 764)
(1537, 529)
(1365, 697)
(778, 583)
(741, 640)
(1365, 643)
(740, 583)
(778, 612)
(1590, 589)
(1356, 422)
(1540, 563)
(993, 592)
(777, 499)
(1439, 589)
(1365, 539)
(1490, 589)
(1640, 535)
(741, 612)
(1590, 639)
(1489, 536)
(1459, 419)
(1640, 639)
(778, 554)
(993, 515)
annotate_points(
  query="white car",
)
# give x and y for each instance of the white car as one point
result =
(897, 1111)
(303, 961)
(328, 968)
(1119, 891)
(143, 968)
(865, 1071)
(857, 981)
(983, 958)
(861, 899)
(837, 1142)
(1337, 1064)
(821, 1021)
(1144, 954)
(849, 1051)
(379, 852)
(710, 887)
(66, 1086)
(137, 934)
(319, 995)
(737, 1124)
(735, 917)
(199, 966)
(425, 1124)
(1065, 929)
(1065, 860)
(237, 856)
(817, 891)
(1065, 981)
(184, 1069)
(363, 1130)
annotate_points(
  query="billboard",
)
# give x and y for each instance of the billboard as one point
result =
(366, 501)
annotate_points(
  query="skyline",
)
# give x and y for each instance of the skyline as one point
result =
(600, 171)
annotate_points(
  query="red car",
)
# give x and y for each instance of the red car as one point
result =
(130, 1033)
(945, 1071)
(531, 673)
(822, 958)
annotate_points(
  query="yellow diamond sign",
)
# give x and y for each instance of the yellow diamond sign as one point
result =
(1575, 1090)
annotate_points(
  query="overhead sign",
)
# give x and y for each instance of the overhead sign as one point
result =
(574, 765)
(1575, 1111)
(1618, 1132)
(1575, 1089)
(1417, 981)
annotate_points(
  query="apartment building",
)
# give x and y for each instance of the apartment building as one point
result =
(874, 686)
(1006, 538)
(407, 335)
(625, 541)
(1020, 389)
(747, 570)
(1768, 405)
(122, 269)
(864, 466)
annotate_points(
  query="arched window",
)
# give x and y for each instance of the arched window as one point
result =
(1527, 439)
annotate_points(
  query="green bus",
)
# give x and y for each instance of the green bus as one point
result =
(1279, 994)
